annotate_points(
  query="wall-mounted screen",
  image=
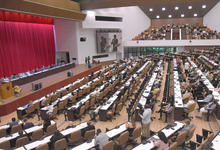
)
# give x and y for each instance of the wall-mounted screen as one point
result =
(108, 41)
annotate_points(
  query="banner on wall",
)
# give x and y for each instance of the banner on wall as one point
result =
(109, 42)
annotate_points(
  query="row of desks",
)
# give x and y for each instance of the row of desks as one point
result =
(46, 140)
(167, 131)
(42, 74)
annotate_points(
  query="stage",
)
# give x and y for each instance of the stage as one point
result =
(50, 83)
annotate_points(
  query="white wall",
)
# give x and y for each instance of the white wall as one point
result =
(134, 20)
(66, 36)
(211, 19)
(68, 32)
(88, 47)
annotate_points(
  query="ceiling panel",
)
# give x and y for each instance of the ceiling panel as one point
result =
(156, 5)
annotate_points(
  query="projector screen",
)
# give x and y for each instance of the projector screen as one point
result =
(108, 41)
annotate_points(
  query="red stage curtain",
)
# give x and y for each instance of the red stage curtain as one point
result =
(25, 46)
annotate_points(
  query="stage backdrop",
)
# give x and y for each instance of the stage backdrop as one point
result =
(25, 46)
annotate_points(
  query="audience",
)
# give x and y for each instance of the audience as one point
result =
(88, 128)
(210, 106)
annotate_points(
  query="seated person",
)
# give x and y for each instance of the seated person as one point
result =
(27, 125)
(188, 127)
(57, 136)
(162, 142)
(210, 106)
(17, 90)
(166, 108)
(130, 127)
(14, 122)
(101, 138)
(46, 124)
(187, 95)
(190, 102)
(206, 100)
(89, 127)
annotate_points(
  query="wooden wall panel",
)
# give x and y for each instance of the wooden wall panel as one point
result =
(41, 10)
(64, 4)
(160, 22)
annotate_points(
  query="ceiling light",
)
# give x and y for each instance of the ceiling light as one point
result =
(203, 6)
(157, 16)
(170, 16)
(182, 15)
(176, 8)
(195, 15)
(163, 9)
(151, 9)
(190, 7)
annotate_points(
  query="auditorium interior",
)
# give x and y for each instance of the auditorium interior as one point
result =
(109, 75)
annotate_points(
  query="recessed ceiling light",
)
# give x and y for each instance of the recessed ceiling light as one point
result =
(151, 9)
(170, 16)
(182, 15)
(195, 15)
(203, 6)
(163, 9)
(176, 8)
(190, 7)
(157, 16)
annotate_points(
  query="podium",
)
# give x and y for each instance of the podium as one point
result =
(6, 90)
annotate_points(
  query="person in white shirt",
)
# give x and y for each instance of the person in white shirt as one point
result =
(49, 109)
(146, 119)
(101, 138)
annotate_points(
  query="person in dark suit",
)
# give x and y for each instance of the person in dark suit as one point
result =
(57, 136)
(89, 127)
(27, 125)
(46, 124)
(14, 122)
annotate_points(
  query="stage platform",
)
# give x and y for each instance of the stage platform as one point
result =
(50, 83)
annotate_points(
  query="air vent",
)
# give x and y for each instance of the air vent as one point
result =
(107, 18)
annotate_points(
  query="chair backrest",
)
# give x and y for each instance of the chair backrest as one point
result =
(61, 105)
(191, 108)
(190, 134)
(113, 109)
(43, 147)
(37, 106)
(181, 138)
(136, 133)
(205, 133)
(210, 137)
(118, 109)
(82, 110)
(2, 132)
(37, 134)
(60, 144)
(199, 138)
(108, 146)
(51, 129)
(16, 128)
(31, 109)
(5, 145)
(86, 105)
(123, 138)
(22, 141)
(173, 146)
(75, 136)
(89, 134)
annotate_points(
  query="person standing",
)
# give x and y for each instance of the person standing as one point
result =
(146, 119)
